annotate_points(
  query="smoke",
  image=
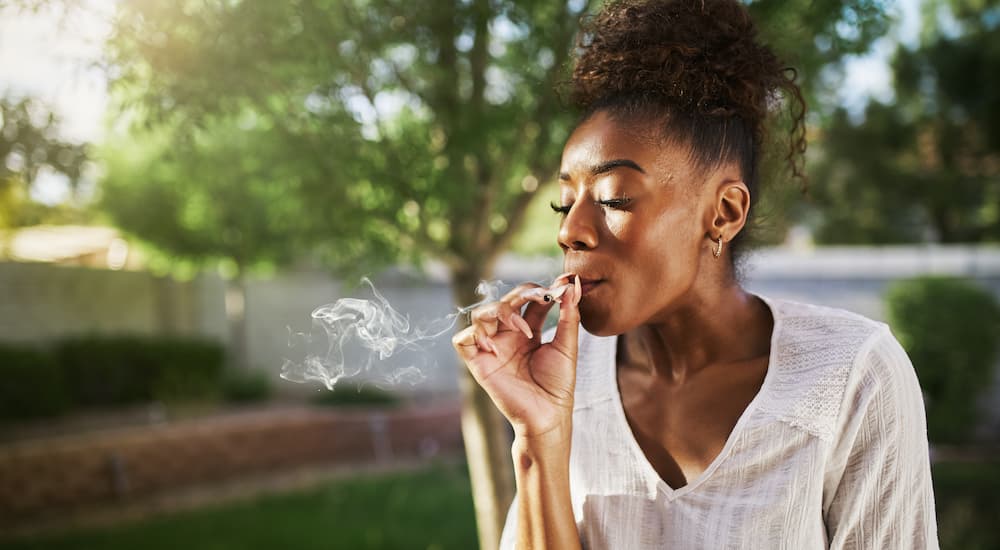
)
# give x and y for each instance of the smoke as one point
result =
(369, 337)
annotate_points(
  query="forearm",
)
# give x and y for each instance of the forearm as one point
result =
(544, 510)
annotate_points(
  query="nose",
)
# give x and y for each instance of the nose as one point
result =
(578, 230)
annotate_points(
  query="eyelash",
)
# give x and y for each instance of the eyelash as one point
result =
(610, 203)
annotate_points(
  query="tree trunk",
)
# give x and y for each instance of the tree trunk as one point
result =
(236, 299)
(487, 438)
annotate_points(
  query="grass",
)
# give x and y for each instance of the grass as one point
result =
(429, 509)
(432, 509)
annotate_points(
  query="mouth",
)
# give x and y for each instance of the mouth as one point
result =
(587, 284)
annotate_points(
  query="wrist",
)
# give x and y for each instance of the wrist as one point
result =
(550, 444)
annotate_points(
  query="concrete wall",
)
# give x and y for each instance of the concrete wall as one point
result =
(42, 302)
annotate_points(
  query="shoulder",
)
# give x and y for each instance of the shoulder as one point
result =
(818, 356)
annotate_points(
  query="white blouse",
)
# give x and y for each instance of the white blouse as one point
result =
(830, 454)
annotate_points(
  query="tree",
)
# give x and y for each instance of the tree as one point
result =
(425, 129)
(29, 143)
(213, 195)
(419, 129)
(926, 167)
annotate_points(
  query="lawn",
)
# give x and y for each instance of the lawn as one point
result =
(432, 509)
(429, 509)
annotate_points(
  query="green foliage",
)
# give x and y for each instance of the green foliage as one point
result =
(427, 509)
(214, 195)
(108, 371)
(403, 133)
(102, 371)
(350, 395)
(926, 167)
(33, 385)
(816, 36)
(951, 329)
(405, 130)
(28, 144)
(247, 386)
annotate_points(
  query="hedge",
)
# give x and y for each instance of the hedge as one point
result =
(950, 328)
(93, 371)
(33, 384)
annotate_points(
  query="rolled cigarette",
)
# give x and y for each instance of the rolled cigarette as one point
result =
(547, 294)
(555, 294)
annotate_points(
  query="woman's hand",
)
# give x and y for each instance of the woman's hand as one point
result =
(530, 382)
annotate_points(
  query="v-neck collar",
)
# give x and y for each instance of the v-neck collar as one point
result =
(636, 450)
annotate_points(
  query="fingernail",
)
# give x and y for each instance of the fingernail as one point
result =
(568, 295)
(521, 324)
(567, 274)
(579, 291)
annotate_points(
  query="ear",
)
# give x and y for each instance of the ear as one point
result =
(730, 209)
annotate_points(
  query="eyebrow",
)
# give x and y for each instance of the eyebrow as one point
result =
(607, 166)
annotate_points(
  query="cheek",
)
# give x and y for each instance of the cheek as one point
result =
(664, 250)
(656, 261)
(662, 263)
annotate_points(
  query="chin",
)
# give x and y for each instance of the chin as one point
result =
(598, 321)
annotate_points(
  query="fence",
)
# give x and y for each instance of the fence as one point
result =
(42, 302)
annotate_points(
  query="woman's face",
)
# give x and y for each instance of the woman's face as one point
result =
(634, 226)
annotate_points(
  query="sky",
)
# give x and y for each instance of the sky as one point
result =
(50, 57)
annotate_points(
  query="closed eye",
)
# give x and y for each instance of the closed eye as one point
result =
(615, 203)
(560, 209)
(563, 209)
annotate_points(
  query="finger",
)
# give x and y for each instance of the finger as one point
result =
(464, 342)
(567, 330)
(534, 293)
(535, 315)
(523, 294)
(520, 323)
(483, 340)
(499, 317)
(487, 318)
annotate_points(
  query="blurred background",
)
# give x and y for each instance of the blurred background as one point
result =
(183, 182)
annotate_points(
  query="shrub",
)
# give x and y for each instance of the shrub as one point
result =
(350, 395)
(187, 370)
(247, 387)
(950, 328)
(120, 370)
(33, 385)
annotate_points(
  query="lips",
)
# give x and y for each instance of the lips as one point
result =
(587, 284)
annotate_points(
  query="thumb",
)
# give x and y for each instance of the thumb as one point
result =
(568, 328)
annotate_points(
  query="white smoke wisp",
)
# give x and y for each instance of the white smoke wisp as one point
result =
(371, 337)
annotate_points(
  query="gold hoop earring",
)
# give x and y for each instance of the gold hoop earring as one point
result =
(718, 250)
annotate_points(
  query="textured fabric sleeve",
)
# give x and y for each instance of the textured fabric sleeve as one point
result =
(877, 491)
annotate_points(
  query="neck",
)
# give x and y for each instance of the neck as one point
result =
(708, 328)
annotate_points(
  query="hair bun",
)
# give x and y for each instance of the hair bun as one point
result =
(697, 57)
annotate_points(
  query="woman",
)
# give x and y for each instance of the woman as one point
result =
(690, 413)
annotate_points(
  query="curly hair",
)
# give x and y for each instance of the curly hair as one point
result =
(697, 66)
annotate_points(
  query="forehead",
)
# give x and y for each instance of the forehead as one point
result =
(603, 137)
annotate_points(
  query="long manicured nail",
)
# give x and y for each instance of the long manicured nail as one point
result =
(493, 346)
(567, 274)
(520, 323)
(579, 291)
